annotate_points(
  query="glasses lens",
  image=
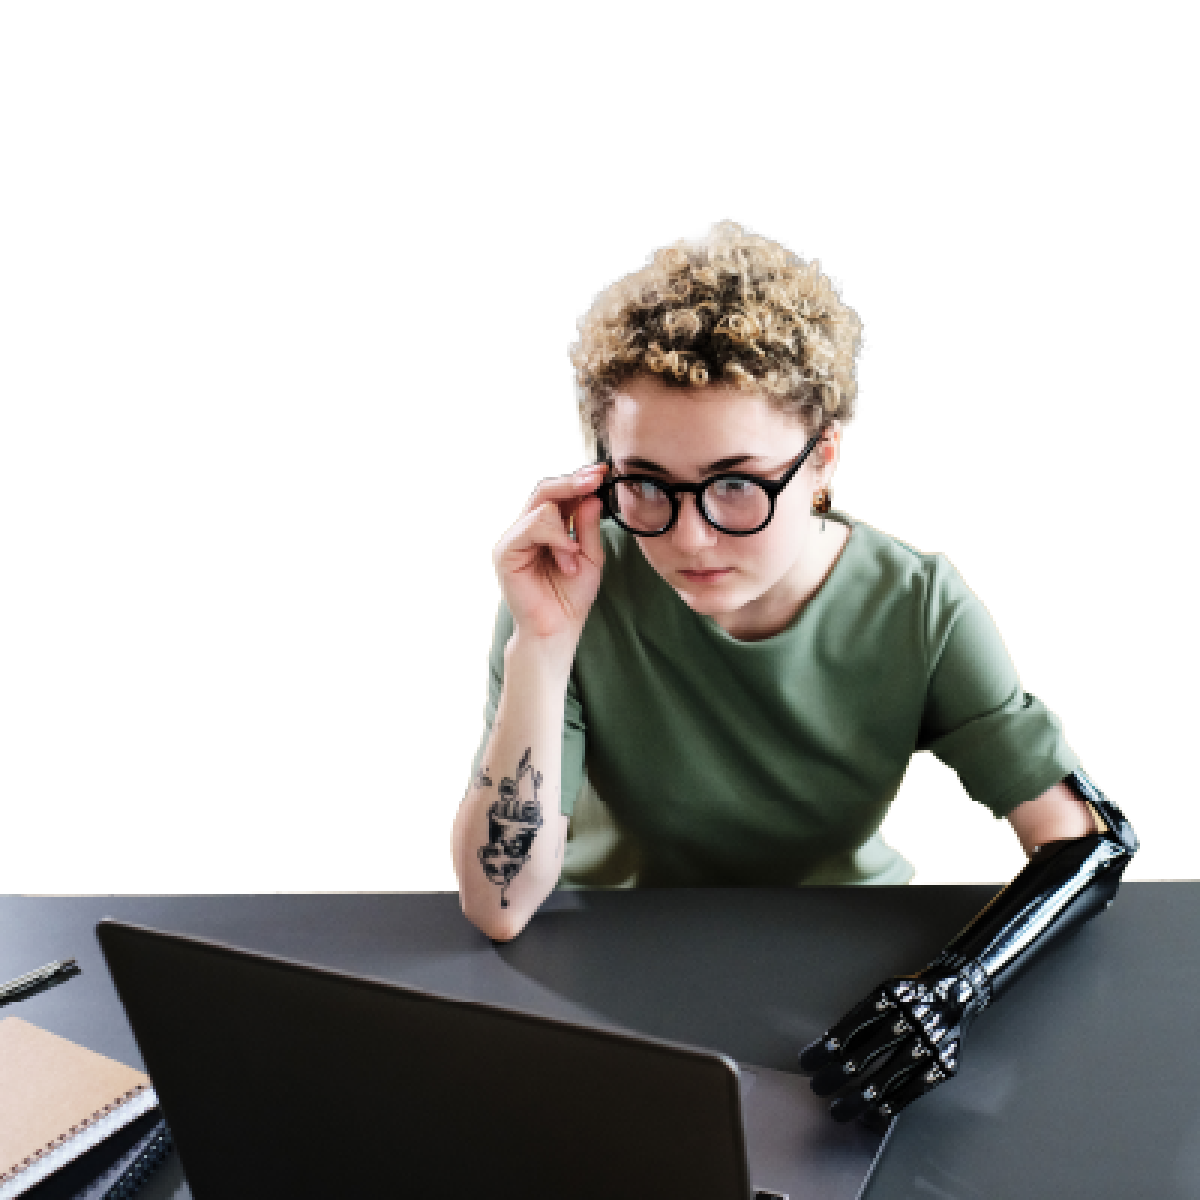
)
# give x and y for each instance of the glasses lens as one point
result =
(738, 505)
(642, 505)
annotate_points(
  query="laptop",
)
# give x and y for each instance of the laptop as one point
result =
(280, 1078)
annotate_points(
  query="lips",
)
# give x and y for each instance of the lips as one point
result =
(706, 576)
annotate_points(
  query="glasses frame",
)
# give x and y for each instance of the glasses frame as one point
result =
(772, 487)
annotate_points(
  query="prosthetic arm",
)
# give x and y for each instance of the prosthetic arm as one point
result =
(905, 1038)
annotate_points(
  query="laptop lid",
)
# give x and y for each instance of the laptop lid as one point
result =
(283, 1079)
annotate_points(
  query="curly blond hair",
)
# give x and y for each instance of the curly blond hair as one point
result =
(732, 309)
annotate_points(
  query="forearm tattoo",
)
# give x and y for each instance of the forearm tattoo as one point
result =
(513, 822)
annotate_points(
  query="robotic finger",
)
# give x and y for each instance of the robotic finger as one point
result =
(862, 1056)
(829, 1048)
(907, 1082)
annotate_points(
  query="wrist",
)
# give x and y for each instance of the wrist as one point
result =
(544, 661)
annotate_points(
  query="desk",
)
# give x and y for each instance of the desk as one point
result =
(1084, 1081)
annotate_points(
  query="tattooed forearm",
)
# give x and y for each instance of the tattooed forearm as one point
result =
(513, 822)
(482, 778)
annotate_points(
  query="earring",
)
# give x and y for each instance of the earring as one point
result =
(822, 503)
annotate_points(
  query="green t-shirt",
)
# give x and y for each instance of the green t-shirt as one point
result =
(692, 759)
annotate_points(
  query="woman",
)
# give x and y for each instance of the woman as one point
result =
(745, 671)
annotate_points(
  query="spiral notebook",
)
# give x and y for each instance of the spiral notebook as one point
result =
(57, 1101)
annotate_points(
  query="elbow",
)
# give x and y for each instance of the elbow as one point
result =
(501, 927)
(498, 928)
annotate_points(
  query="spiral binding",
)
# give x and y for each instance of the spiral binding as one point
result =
(64, 1137)
(143, 1166)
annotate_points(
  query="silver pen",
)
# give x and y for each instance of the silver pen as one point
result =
(23, 982)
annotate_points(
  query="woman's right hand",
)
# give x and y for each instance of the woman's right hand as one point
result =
(550, 581)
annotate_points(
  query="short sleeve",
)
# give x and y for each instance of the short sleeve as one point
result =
(1004, 744)
(573, 726)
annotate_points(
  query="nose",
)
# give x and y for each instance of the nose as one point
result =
(692, 532)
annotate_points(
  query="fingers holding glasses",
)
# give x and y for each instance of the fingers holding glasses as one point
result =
(549, 562)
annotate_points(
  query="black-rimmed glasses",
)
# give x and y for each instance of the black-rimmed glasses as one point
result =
(732, 502)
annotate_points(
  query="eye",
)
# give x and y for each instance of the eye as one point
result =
(732, 489)
(645, 489)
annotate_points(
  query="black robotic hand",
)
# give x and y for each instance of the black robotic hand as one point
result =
(896, 1044)
(906, 1037)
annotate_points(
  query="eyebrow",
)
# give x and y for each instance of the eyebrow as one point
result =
(722, 464)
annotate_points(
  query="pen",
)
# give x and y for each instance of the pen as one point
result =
(23, 982)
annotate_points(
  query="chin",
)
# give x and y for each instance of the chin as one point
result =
(707, 604)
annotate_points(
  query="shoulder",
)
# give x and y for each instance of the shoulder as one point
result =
(886, 568)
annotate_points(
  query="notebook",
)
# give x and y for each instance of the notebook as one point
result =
(283, 1079)
(57, 1101)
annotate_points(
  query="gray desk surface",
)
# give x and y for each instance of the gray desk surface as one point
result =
(1083, 1082)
